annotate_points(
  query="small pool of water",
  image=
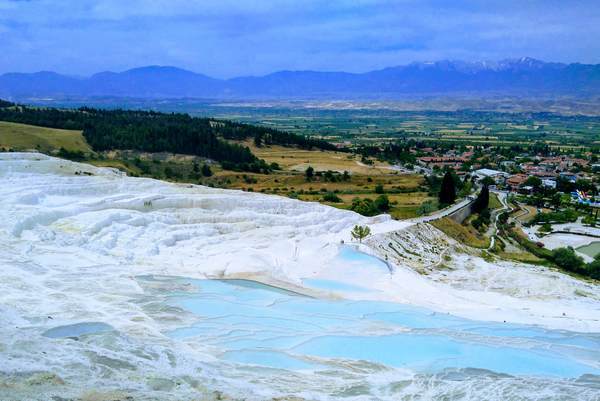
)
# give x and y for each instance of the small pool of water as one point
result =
(591, 249)
(77, 330)
(260, 325)
(349, 254)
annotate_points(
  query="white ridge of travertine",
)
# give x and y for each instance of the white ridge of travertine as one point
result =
(73, 237)
(54, 207)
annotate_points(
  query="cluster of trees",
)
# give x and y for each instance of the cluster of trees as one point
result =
(449, 187)
(482, 220)
(166, 133)
(593, 268)
(447, 196)
(563, 184)
(567, 259)
(151, 131)
(4, 103)
(558, 217)
(370, 207)
(75, 155)
(391, 152)
(331, 197)
(326, 176)
(268, 136)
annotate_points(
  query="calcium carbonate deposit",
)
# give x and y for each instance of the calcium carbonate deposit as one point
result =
(116, 288)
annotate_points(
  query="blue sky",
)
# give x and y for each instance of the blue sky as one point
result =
(225, 38)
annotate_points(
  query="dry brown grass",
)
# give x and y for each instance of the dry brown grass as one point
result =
(495, 202)
(285, 181)
(465, 234)
(524, 257)
(526, 214)
(294, 159)
(128, 168)
(404, 190)
(403, 206)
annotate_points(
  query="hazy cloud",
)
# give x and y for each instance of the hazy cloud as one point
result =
(240, 37)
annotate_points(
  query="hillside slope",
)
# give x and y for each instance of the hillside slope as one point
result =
(16, 136)
(150, 131)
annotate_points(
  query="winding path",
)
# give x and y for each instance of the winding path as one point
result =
(493, 229)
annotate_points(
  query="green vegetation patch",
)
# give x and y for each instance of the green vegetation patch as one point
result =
(18, 137)
(463, 233)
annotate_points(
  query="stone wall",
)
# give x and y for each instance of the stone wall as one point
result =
(461, 214)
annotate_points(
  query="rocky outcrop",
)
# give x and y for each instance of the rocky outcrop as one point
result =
(420, 247)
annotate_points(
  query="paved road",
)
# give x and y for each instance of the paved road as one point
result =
(441, 213)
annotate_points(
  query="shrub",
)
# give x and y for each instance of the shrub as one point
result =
(589, 220)
(382, 203)
(593, 268)
(426, 208)
(370, 207)
(206, 171)
(331, 197)
(567, 259)
(565, 216)
(76, 155)
(363, 206)
(309, 173)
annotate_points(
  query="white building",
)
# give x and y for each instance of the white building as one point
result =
(498, 176)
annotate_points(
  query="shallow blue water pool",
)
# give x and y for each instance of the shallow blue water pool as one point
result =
(77, 330)
(259, 325)
(349, 254)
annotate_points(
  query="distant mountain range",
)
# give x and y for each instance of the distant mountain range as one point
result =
(520, 77)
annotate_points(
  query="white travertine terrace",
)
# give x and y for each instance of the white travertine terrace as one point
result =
(73, 238)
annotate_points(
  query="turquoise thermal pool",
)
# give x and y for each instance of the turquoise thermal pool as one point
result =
(77, 330)
(254, 324)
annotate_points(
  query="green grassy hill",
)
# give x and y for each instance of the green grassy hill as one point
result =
(25, 137)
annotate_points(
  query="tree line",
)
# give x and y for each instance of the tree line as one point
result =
(151, 131)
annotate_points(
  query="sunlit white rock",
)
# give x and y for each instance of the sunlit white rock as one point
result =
(73, 238)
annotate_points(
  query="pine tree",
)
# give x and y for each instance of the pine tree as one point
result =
(483, 200)
(309, 173)
(258, 141)
(447, 194)
(206, 171)
(360, 232)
